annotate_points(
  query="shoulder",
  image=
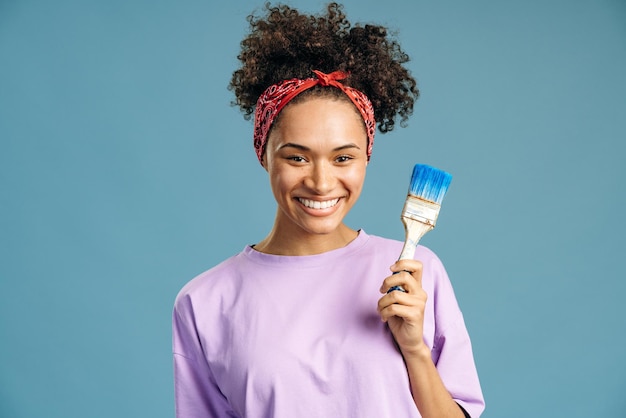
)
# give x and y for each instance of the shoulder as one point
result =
(422, 253)
(434, 275)
(377, 243)
(204, 285)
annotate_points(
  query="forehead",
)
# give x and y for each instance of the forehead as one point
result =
(325, 117)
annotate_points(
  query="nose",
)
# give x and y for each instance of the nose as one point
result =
(321, 178)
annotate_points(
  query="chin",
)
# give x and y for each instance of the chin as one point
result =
(323, 228)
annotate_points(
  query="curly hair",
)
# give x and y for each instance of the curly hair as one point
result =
(287, 44)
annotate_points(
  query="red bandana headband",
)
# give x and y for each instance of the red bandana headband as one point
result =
(276, 97)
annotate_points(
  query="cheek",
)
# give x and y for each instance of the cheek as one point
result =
(356, 177)
(282, 181)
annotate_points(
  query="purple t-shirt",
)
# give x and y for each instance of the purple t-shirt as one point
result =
(262, 335)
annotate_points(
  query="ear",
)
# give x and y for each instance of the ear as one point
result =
(264, 161)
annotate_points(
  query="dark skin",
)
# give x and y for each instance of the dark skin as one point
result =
(404, 313)
(317, 154)
(286, 44)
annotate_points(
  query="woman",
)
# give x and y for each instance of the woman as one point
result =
(301, 324)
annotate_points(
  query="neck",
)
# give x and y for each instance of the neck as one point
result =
(281, 242)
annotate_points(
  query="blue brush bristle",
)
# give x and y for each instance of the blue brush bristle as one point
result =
(429, 183)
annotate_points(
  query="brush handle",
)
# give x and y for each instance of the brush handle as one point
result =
(415, 230)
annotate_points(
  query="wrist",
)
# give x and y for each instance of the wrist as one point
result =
(420, 352)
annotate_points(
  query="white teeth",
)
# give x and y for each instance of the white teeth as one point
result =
(314, 204)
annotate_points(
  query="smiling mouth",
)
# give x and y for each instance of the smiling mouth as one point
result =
(315, 204)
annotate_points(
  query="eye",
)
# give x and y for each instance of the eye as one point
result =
(296, 158)
(343, 158)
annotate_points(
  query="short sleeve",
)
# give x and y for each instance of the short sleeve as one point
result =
(452, 349)
(197, 395)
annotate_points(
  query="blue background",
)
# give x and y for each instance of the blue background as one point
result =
(124, 172)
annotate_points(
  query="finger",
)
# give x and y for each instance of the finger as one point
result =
(398, 288)
(391, 298)
(401, 280)
(409, 313)
(413, 267)
(414, 301)
(407, 264)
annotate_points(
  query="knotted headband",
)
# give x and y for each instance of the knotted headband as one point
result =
(276, 97)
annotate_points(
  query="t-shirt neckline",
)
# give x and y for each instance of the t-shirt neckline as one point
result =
(307, 260)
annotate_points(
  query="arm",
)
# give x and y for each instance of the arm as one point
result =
(404, 313)
(197, 394)
(430, 395)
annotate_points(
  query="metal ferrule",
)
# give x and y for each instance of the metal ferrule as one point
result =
(421, 210)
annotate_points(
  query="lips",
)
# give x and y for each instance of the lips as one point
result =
(316, 204)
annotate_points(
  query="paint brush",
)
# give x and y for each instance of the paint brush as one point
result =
(421, 208)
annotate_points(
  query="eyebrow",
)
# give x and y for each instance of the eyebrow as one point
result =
(303, 148)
